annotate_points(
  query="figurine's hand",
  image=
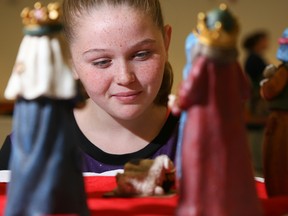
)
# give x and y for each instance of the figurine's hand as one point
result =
(173, 105)
(269, 71)
(176, 110)
(263, 81)
(171, 100)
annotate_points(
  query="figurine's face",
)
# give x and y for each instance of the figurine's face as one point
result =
(119, 55)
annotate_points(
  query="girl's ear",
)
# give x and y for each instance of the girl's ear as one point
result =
(167, 36)
(75, 74)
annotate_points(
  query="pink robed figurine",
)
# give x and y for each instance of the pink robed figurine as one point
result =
(217, 172)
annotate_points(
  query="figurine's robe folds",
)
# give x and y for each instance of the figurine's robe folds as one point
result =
(217, 172)
(46, 175)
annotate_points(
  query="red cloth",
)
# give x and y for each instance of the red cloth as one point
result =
(97, 186)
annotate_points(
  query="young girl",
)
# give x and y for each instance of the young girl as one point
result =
(119, 51)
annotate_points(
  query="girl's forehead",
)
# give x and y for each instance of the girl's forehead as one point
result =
(110, 12)
(107, 18)
(115, 27)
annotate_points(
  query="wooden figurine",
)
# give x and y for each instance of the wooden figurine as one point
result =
(46, 177)
(146, 177)
(217, 175)
(274, 89)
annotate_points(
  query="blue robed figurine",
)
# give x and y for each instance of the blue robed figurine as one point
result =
(190, 43)
(46, 178)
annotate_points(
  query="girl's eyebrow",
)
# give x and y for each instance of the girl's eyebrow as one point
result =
(94, 50)
(144, 42)
(141, 43)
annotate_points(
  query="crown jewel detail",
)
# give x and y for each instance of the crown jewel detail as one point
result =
(217, 35)
(41, 15)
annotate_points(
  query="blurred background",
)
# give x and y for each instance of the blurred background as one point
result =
(180, 14)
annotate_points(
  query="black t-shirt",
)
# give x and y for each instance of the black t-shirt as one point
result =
(96, 160)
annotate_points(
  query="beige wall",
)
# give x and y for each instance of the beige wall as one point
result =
(10, 36)
(181, 14)
(252, 14)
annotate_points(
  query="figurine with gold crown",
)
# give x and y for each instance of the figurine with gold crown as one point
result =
(46, 178)
(217, 176)
(274, 89)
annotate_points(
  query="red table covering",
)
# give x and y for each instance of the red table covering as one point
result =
(96, 186)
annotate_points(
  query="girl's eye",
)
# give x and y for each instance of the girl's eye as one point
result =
(142, 55)
(102, 63)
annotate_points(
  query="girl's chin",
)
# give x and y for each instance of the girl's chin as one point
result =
(127, 114)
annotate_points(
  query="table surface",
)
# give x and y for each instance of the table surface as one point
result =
(96, 186)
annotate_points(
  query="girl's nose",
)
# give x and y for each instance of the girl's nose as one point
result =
(125, 75)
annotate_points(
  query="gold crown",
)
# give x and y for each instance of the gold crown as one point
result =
(216, 36)
(41, 15)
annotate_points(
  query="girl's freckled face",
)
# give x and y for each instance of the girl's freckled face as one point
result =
(119, 55)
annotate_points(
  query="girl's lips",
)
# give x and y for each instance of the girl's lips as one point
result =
(127, 97)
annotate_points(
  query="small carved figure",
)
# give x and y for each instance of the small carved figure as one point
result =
(146, 177)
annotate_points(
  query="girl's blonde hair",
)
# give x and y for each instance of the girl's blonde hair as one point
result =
(74, 8)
